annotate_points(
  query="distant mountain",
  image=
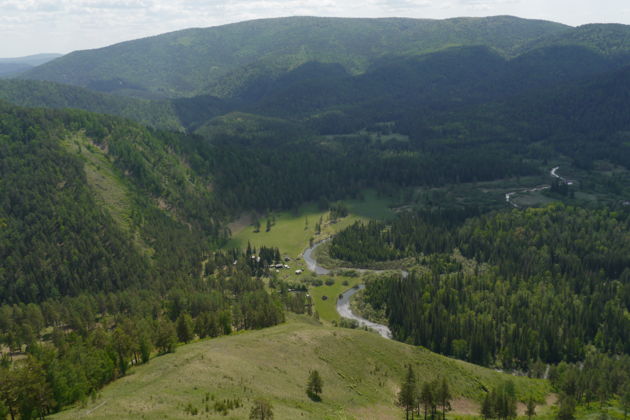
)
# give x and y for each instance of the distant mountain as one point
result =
(221, 60)
(14, 66)
(32, 60)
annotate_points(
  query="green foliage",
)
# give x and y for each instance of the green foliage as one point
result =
(540, 275)
(500, 403)
(598, 378)
(530, 408)
(314, 386)
(96, 338)
(566, 409)
(54, 240)
(66, 175)
(165, 337)
(408, 390)
(184, 328)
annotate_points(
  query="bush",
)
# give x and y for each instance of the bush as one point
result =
(349, 323)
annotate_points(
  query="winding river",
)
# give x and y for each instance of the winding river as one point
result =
(553, 173)
(343, 303)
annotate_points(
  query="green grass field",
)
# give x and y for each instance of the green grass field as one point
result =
(327, 309)
(292, 232)
(361, 373)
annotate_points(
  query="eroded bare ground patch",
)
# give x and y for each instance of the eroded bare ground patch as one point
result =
(241, 223)
(465, 406)
(375, 412)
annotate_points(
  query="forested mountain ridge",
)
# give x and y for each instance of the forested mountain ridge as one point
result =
(219, 60)
(611, 40)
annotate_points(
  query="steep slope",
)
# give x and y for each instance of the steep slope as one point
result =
(447, 79)
(96, 203)
(221, 60)
(361, 374)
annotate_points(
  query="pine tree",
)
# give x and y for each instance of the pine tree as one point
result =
(567, 408)
(487, 409)
(426, 399)
(443, 396)
(314, 386)
(184, 328)
(407, 393)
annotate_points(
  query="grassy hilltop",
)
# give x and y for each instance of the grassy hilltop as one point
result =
(361, 373)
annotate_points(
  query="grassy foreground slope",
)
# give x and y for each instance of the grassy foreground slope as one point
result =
(360, 371)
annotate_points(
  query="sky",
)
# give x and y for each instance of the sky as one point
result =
(60, 26)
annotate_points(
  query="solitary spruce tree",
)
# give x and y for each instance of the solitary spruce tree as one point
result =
(184, 328)
(314, 386)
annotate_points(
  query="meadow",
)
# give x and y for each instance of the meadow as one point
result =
(361, 374)
(293, 230)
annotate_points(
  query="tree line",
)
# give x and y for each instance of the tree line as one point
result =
(64, 350)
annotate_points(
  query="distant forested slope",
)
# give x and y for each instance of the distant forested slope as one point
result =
(14, 66)
(222, 60)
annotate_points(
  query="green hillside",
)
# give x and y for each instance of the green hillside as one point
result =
(32, 93)
(361, 373)
(222, 60)
(87, 199)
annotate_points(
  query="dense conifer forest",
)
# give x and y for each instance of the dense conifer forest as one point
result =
(534, 285)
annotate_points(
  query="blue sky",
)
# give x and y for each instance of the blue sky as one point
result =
(36, 26)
